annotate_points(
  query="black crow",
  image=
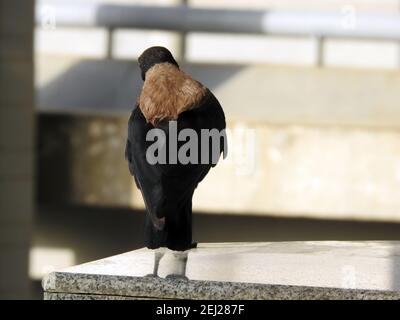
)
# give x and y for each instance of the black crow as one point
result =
(171, 99)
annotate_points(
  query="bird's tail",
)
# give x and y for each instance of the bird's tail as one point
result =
(173, 231)
(158, 223)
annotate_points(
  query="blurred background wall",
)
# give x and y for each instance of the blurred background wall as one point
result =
(16, 146)
(313, 131)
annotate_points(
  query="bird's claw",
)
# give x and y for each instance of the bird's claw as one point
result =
(151, 275)
(176, 277)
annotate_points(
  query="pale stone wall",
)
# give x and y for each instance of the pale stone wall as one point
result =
(324, 172)
(284, 170)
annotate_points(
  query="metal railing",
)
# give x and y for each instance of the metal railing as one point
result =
(184, 18)
(318, 25)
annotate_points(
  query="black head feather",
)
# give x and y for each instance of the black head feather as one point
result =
(154, 55)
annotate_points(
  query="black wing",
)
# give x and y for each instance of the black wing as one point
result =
(166, 187)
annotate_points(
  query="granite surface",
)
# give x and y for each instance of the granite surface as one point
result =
(77, 296)
(275, 270)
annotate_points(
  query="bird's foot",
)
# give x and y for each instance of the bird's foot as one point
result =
(176, 277)
(151, 275)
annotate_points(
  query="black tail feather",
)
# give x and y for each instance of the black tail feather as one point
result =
(177, 231)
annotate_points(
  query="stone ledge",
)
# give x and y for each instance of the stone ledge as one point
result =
(275, 270)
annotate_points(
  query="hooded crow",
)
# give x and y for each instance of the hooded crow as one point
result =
(172, 100)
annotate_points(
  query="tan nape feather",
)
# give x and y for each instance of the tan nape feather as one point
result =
(167, 91)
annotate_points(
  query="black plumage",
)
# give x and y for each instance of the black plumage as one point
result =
(168, 189)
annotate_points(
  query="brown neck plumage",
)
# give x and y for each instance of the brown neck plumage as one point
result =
(167, 91)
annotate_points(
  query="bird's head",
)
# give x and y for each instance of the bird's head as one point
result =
(153, 56)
